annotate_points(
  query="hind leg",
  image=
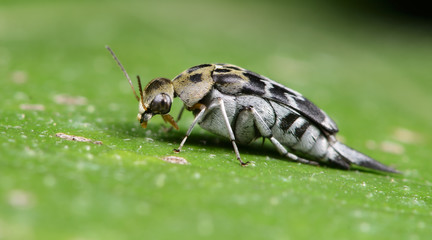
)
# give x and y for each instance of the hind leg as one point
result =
(266, 132)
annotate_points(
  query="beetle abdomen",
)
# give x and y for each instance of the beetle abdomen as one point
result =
(297, 133)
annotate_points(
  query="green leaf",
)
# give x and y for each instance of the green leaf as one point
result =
(370, 73)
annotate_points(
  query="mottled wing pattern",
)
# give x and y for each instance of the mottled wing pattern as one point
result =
(194, 83)
(231, 79)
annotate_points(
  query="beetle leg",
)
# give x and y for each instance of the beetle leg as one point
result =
(168, 118)
(202, 108)
(267, 133)
(230, 131)
(180, 114)
(178, 119)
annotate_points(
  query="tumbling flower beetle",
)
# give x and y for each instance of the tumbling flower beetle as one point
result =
(242, 105)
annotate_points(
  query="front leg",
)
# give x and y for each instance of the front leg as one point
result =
(202, 109)
(177, 120)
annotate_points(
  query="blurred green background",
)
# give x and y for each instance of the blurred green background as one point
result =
(368, 65)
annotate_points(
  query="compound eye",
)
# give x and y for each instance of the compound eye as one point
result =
(161, 104)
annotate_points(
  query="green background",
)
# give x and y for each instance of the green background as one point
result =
(371, 72)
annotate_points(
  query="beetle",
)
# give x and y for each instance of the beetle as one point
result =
(242, 105)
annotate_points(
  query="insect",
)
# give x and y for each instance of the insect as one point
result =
(241, 105)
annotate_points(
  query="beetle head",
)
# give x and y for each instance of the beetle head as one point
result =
(155, 99)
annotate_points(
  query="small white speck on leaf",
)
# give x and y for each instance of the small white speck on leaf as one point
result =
(91, 109)
(357, 214)
(21, 199)
(205, 225)
(197, 175)
(19, 77)
(76, 138)
(365, 227)
(49, 181)
(371, 144)
(392, 147)
(386, 146)
(175, 160)
(286, 179)
(29, 151)
(407, 136)
(21, 96)
(70, 100)
(113, 107)
(274, 201)
(421, 225)
(160, 180)
(142, 162)
(32, 107)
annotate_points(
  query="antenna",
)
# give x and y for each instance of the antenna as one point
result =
(141, 92)
(125, 73)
